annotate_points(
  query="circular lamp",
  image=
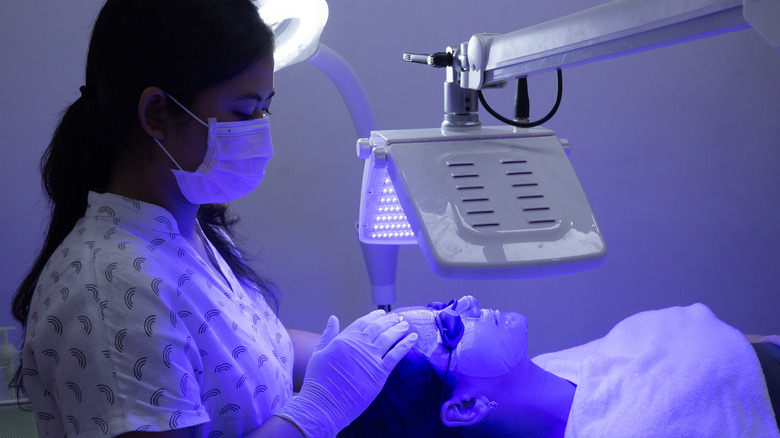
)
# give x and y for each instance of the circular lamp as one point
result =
(297, 26)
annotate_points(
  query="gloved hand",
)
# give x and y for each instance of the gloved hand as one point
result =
(346, 372)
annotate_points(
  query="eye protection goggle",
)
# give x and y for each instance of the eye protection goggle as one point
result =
(449, 320)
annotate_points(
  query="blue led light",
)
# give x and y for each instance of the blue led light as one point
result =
(382, 218)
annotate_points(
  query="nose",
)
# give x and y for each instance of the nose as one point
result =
(466, 305)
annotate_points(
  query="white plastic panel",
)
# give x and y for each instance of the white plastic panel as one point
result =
(493, 203)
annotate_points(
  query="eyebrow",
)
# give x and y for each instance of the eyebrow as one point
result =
(257, 97)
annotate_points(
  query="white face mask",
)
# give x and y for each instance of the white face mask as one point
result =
(234, 164)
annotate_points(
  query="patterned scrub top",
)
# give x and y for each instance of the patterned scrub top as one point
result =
(129, 329)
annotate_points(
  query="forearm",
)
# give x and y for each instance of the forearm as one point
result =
(303, 346)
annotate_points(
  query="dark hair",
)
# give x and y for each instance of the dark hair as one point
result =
(181, 46)
(408, 405)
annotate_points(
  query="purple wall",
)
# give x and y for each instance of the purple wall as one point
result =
(677, 150)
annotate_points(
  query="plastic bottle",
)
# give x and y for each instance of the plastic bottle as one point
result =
(9, 360)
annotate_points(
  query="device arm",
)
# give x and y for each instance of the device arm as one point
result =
(612, 29)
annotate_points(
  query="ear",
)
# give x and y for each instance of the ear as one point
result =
(464, 410)
(151, 112)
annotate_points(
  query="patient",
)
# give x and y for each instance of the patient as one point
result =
(672, 372)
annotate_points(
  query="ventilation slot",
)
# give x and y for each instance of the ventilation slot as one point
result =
(536, 210)
(493, 224)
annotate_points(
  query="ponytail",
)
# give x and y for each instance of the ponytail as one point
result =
(72, 165)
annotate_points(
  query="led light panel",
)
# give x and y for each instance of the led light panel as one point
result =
(382, 219)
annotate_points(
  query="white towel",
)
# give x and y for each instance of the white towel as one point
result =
(677, 372)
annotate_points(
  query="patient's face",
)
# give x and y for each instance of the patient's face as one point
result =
(493, 342)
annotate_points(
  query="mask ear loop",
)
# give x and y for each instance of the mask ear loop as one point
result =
(167, 153)
(187, 111)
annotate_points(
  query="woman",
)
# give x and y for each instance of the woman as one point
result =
(668, 373)
(140, 314)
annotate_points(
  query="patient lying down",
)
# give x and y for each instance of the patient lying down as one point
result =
(665, 373)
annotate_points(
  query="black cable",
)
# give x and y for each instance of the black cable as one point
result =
(531, 124)
(522, 103)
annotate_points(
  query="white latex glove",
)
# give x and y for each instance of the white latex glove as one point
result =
(346, 372)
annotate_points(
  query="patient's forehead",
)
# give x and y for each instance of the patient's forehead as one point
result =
(422, 321)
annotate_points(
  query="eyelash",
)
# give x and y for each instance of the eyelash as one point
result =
(243, 116)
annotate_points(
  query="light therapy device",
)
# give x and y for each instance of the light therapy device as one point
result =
(503, 202)
(482, 202)
(499, 201)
